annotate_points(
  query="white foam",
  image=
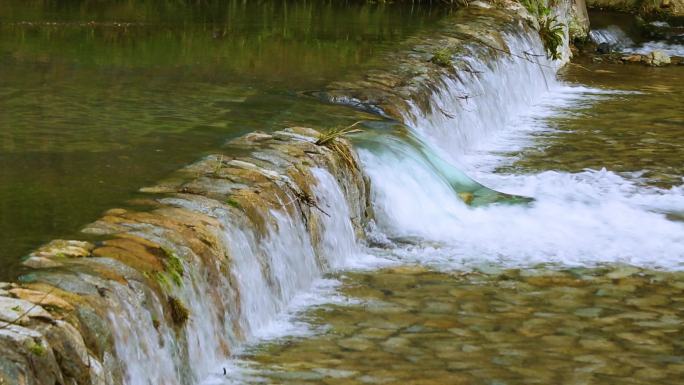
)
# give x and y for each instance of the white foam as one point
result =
(648, 47)
(595, 216)
(586, 218)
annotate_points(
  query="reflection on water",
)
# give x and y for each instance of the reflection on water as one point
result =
(414, 326)
(101, 98)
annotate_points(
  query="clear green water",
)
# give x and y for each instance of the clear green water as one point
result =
(98, 99)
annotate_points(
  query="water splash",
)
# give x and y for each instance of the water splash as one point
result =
(263, 272)
(585, 218)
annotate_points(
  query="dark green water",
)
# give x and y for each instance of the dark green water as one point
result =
(98, 99)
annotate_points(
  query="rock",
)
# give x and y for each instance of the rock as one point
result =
(658, 58)
(632, 58)
(598, 344)
(373, 334)
(26, 358)
(396, 344)
(650, 374)
(603, 48)
(41, 298)
(41, 263)
(652, 300)
(623, 272)
(589, 312)
(19, 311)
(60, 248)
(70, 351)
(355, 343)
(336, 373)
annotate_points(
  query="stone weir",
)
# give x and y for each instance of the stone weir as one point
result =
(170, 290)
(413, 74)
(164, 293)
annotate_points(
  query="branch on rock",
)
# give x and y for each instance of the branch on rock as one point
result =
(308, 200)
(332, 134)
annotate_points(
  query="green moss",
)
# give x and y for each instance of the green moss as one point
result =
(16, 308)
(162, 280)
(442, 58)
(233, 203)
(37, 349)
(179, 313)
(174, 266)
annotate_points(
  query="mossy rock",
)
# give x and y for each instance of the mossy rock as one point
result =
(442, 58)
(179, 313)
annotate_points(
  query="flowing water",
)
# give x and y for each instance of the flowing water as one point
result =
(583, 285)
(625, 33)
(99, 99)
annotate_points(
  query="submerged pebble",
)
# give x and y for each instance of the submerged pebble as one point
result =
(567, 328)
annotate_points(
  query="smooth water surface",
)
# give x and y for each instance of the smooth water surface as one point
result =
(98, 99)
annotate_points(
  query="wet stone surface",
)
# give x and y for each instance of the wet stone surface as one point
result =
(612, 325)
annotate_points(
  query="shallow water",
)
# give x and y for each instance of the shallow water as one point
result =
(638, 132)
(100, 99)
(410, 325)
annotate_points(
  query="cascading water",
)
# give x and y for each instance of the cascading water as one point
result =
(618, 40)
(612, 35)
(267, 270)
(587, 218)
(436, 197)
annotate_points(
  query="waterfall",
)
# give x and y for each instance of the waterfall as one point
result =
(619, 41)
(585, 218)
(419, 171)
(468, 110)
(613, 36)
(266, 270)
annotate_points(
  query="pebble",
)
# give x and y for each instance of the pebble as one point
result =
(545, 326)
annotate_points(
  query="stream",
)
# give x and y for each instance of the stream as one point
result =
(527, 227)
